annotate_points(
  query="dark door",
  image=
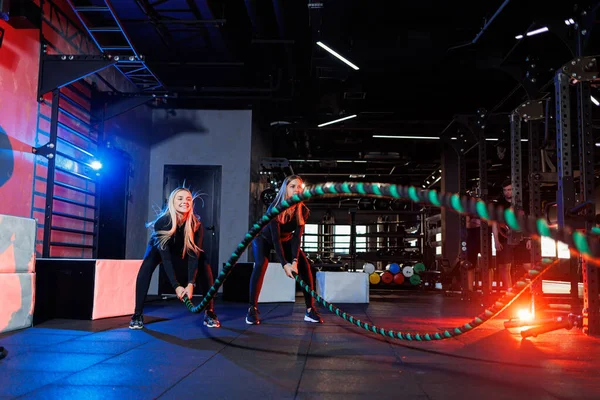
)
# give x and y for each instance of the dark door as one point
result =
(205, 180)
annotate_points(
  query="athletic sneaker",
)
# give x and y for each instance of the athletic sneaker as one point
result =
(313, 316)
(137, 322)
(211, 320)
(252, 317)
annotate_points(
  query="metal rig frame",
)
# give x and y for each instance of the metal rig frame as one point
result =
(534, 113)
(581, 71)
(467, 141)
(484, 238)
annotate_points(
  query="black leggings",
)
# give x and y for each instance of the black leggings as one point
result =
(151, 261)
(261, 249)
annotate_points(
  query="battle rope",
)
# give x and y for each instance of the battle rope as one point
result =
(499, 306)
(462, 205)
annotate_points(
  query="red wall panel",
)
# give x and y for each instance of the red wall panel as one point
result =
(25, 123)
(19, 63)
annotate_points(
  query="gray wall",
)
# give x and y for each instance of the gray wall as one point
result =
(130, 132)
(207, 137)
(262, 147)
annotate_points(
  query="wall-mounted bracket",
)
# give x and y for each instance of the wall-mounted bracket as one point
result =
(531, 110)
(48, 150)
(57, 71)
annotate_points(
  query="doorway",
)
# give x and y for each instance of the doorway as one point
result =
(205, 180)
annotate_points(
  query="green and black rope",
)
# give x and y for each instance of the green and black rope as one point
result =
(584, 244)
(499, 306)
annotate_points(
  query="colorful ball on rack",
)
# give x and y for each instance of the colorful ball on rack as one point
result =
(415, 280)
(387, 277)
(374, 278)
(368, 268)
(408, 271)
(399, 279)
(394, 268)
(419, 267)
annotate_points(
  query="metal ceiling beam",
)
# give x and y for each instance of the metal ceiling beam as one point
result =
(206, 64)
(159, 2)
(148, 9)
(485, 27)
(366, 175)
(174, 21)
(202, 12)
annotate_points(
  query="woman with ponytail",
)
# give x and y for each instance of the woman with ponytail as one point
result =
(284, 234)
(177, 240)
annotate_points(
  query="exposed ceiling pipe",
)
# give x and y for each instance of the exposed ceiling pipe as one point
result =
(490, 21)
(273, 87)
(153, 16)
(485, 27)
(273, 41)
(202, 11)
(190, 92)
(207, 64)
(362, 173)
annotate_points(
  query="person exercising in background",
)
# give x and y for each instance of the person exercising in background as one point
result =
(473, 225)
(176, 241)
(505, 251)
(284, 234)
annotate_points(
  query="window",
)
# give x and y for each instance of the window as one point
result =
(361, 241)
(310, 240)
(341, 239)
(562, 250)
(548, 247)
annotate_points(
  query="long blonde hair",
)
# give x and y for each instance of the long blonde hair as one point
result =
(287, 215)
(192, 224)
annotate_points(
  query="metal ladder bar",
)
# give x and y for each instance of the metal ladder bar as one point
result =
(118, 27)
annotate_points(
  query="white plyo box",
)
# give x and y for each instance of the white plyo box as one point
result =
(343, 287)
(277, 286)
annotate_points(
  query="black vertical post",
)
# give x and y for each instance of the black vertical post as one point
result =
(352, 239)
(535, 203)
(565, 196)
(462, 188)
(516, 181)
(450, 220)
(484, 261)
(516, 171)
(51, 174)
(591, 304)
(98, 182)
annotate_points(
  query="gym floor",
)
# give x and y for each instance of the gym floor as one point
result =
(176, 357)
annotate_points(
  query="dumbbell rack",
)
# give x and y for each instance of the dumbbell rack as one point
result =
(382, 236)
(386, 244)
(386, 236)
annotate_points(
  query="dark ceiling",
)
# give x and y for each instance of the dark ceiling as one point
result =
(421, 63)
